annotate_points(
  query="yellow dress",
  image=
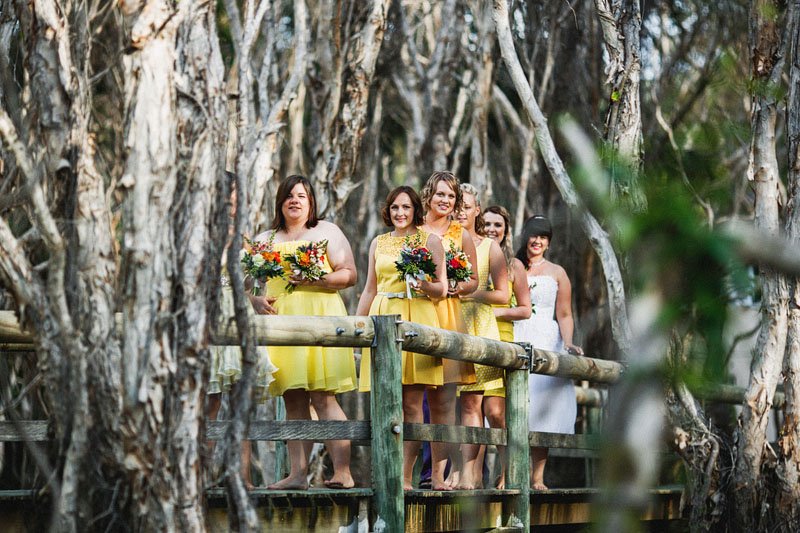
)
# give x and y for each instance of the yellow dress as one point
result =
(226, 361)
(506, 327)
(310, 368)
(391, 299)
(480, 322)
(450, 317)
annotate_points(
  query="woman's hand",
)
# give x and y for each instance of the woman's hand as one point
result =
(262, 305)
(575, 350)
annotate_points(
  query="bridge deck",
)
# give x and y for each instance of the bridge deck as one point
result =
(326, 510)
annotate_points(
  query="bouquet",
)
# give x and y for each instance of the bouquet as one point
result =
(307, 262)
(260, 262)
(415, 263)
(458, 266)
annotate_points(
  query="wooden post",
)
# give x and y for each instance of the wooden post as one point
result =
(518, 449)
(386, 412)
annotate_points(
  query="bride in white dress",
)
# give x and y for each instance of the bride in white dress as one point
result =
(552, 407)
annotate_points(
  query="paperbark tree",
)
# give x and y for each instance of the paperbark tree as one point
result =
(138, 397)
(621, 21)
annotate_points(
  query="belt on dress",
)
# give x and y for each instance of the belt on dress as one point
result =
(400, 295)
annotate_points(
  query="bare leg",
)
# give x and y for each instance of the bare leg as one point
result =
(297, 408)
(538, 460)
(328, 408)
(494, 407)
(472, 416)
(412, 413)
(442, 403)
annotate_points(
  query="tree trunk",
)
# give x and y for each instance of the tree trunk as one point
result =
(340, 91)
(788, 468)
(768, 49)
(621, 21)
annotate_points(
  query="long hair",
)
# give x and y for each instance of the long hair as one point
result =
(284, 190)
(468, 188)
(430, 188)
(416, 203)
(505, 243)
(536, 226)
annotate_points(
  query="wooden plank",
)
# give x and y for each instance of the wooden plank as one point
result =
(386, 411)
(277, 330)
(272, 330)
(576, 367)
(24, 430)
(453, 345)
(559, 440)
(517, 512)
(316, 430)
(443, 433)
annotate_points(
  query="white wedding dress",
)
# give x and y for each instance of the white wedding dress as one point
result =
(552, 407)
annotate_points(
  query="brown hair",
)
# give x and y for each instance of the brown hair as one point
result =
(430, 188)
(416, 203)
(505, 242)
(468, 188)
(284, 190)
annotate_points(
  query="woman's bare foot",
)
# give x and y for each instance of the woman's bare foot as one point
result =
(538, 486)
(248, 485)
(440, 485)
(290, 483)
(340, 481)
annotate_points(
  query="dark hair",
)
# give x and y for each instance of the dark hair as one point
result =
(505, 243)
(430, 188)
(416, 203)
(284, 190)
(536, 226)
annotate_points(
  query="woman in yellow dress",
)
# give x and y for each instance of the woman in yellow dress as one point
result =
(311, 375)
(385, 293)
(497, 226)
(480, 321)
(441, 198)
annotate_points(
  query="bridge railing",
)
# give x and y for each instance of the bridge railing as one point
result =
(385, 431)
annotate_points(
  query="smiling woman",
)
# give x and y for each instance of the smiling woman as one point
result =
(310, 375)
(389, 292)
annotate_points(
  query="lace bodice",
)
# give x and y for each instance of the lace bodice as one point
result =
(544, 290)
(387, 251)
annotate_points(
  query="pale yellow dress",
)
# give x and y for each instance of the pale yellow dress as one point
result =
(450, 317)
(226, 361)
(480, 321)
(506, 330)
(392, 299)
(310, 368)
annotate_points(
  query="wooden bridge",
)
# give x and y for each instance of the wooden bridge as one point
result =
(384, 506)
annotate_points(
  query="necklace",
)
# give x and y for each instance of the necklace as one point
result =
(538, 263)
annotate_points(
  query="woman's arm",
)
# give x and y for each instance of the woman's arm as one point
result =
(522, 294)
(371, 286)
(498, 273)
(436, 288)
(465, 288)
(564, 311)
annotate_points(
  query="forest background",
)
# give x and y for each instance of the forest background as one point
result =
(668, 121)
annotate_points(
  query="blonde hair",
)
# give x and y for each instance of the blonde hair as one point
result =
(430, 188)
(468, 188)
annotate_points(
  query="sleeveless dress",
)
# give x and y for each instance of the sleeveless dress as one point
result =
(226, 361)
(506, 327)
(392, 299)
(552, 406)
(450, 317)
(480, 321)
(310, 368)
